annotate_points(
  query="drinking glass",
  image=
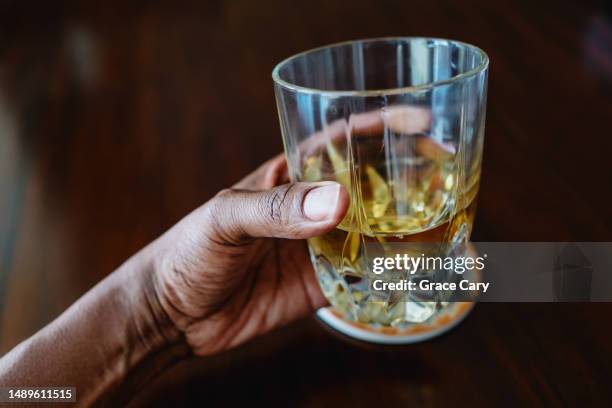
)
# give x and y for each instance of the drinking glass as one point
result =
(400, 123)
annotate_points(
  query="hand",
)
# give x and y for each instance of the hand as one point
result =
(238, 267)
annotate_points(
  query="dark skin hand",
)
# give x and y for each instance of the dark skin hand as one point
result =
(224, 283)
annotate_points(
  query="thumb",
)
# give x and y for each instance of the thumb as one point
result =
(296, 210)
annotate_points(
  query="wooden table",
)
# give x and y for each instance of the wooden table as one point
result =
(117, 119)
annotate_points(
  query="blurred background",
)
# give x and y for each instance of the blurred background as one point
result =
(119, 117)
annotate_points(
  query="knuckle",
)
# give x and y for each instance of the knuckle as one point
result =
(216, 208)
(278, 203)
(273, 204)
(211, 216)
(220, 216)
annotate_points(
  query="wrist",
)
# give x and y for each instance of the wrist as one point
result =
(148, 339)
(153, 324)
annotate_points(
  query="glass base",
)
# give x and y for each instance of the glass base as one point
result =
(415, 333)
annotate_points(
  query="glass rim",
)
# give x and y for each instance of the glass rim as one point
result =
(379, 92)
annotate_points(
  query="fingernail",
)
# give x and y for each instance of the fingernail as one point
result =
(320, 202)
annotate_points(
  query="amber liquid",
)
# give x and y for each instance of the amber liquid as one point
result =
(414, 197)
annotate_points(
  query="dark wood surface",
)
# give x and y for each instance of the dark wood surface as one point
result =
(119, 117)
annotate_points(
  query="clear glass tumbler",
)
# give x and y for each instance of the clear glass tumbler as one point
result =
(400, 123)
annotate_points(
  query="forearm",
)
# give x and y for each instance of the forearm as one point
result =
(111, 340)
